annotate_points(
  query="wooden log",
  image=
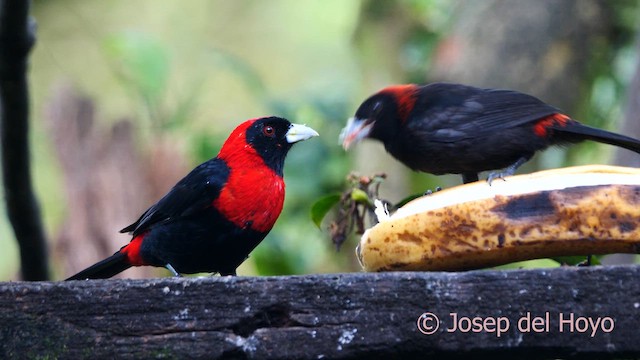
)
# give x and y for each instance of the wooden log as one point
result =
(341, 316)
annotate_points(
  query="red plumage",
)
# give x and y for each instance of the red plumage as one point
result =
(445, 128)
(216, 215)
(244, 176)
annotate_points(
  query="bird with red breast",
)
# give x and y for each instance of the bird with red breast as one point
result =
(444, 128)
(216, 215)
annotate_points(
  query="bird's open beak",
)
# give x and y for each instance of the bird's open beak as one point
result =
(356, 130)
(299, 132)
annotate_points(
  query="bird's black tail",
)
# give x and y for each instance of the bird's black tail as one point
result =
(576, 132)
(104, 269)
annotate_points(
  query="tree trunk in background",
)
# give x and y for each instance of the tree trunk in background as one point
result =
(630, 124)
(540, 47)
(17, 36)
(108, 181)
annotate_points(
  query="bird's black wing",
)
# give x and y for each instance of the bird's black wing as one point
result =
(452, 112)
(195, 192)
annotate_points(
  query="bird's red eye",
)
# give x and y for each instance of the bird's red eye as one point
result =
(268, 131)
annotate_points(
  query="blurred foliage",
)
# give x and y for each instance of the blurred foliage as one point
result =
(141, 63)
(144, 68)
(194, 70)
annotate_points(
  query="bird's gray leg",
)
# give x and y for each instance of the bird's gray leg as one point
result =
(172, 270)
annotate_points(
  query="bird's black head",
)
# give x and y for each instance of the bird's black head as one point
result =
(269, 137)
(380, 116)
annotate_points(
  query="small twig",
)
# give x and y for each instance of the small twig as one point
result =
(354, 208)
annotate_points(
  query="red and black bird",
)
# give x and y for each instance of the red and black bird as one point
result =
(444, 128)
(216, 215)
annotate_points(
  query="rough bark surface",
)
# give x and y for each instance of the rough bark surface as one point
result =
(343, 316)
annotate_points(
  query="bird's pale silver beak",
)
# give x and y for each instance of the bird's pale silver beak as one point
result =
(356, 130)
(299, 132)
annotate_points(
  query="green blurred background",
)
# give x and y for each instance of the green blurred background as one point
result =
(187, 72)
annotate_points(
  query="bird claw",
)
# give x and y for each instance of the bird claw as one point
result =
(586, 262)
(429, 192)
(499, 175)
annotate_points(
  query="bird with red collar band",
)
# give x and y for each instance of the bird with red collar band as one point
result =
(216, 215)
(444, 128)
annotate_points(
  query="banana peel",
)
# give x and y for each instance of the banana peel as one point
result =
(580, 210)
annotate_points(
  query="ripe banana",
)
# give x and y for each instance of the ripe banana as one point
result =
(571, 211)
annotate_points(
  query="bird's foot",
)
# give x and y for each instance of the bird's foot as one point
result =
(586, 262)
(498, 175)
(508, 171)
(429, 192)
(172, 270)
